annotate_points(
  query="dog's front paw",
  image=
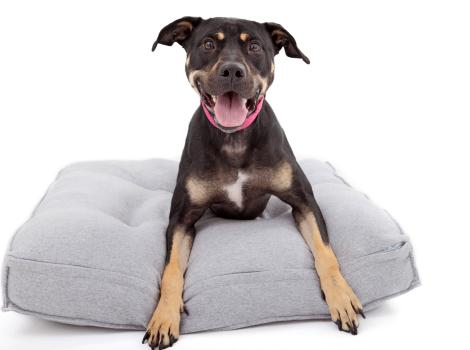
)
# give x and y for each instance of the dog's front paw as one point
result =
(164, 327)
(342, 303)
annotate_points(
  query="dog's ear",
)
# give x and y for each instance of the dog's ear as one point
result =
(177, 31)
(281, 38)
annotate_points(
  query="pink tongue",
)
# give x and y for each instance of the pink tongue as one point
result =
(230, 110)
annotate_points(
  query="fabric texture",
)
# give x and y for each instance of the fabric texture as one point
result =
(92, 253)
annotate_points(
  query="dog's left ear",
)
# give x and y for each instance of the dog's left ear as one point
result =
(177, 31)
(281, 38)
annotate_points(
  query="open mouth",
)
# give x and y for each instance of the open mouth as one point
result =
(229, 109)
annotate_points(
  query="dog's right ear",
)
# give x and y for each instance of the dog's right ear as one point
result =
(177, 31)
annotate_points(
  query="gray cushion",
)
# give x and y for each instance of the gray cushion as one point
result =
(93, 251)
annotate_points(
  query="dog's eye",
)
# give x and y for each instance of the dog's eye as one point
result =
(208, 44)
(254, 46)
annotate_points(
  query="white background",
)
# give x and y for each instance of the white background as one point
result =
(386, 100)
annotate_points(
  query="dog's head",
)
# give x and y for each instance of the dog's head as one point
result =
(230, 62)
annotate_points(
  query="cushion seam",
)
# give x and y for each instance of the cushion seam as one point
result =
(318, 316)
(9, 255)
(350, 263)
(52, 316)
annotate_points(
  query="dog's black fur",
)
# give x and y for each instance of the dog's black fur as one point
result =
(234, 56)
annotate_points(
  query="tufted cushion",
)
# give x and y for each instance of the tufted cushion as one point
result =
(93, 251)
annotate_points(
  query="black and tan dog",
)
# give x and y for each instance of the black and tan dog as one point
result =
(235, 157)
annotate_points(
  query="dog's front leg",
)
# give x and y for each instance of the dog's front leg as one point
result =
(342, 302)
(163, 328)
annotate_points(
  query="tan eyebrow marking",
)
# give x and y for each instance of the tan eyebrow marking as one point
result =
(244, 36)
(220, 35)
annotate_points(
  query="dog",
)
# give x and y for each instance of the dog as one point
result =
(235, 157)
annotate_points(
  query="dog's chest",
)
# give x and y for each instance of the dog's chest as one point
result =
(238, 188)
(234, 190)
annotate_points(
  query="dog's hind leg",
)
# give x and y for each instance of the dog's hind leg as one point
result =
(163, 328)
(342, 302)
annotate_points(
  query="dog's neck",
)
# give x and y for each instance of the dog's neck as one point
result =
(234, 145)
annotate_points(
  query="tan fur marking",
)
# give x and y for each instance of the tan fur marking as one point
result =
(187, 60)
(326, 259)
(196, 190)
(192, 78)
(201, 191)
(185, 251)
(264, 84)
(220, 36)
(166, 318)
(244, 36)
(342, 302)
(200, 74)
(282, 177)
(194, 75)
(172, 280)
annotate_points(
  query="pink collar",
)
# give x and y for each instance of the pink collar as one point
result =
(248, 121)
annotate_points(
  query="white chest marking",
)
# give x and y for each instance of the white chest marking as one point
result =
(235, 190)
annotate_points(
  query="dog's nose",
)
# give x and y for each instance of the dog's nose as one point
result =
(232, 70)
